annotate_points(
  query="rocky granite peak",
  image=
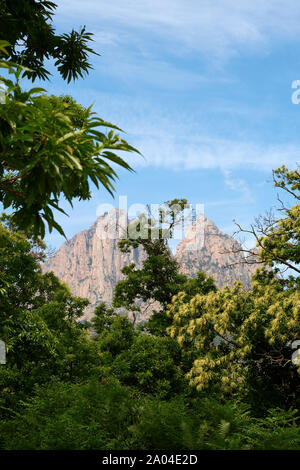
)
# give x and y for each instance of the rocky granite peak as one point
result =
(91, 262)
(90, 265)
(206, 248)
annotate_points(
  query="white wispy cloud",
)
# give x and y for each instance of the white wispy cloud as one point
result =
(142, 36)
(156, 48)
(185, 141)
(238, 184)
(217, 28)
(155, 72)
(208, 153)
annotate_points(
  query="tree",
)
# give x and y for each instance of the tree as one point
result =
(38, 323)
(159, 279)
(27, 26)
(243, 340)
(103, 318)
(154, 285)
(67, 416)
(108, 416)
(56, 376)
(148, 363)
(152, 365)
(51, 147)
(115, 333)
(277, 236)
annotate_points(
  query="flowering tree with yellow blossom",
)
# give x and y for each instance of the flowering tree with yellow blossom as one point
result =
(243, 340)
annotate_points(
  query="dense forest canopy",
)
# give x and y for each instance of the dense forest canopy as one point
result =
(212, 369)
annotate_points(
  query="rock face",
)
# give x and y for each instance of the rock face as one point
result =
(91, 264)
(214, 252)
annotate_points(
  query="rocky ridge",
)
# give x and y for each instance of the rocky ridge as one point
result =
(91, 262)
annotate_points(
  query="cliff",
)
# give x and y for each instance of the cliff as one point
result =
(91, 264)
(214, 252)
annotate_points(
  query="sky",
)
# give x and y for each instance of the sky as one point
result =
(203, 88)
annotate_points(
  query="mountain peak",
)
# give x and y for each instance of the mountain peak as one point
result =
(91, 262)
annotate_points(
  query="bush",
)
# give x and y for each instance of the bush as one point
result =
(68, 416)
(152, 365)
(163, 425)
(110, 416)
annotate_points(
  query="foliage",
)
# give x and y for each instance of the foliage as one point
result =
(164, 425)
(159, 279)
(38, 323)
(243, 339)
(68, 417)
(155, 284)
(151, 365)
(118, 337)
(109, 416)
(51, 147)
(103, 318)
(278, 236)
(121, 387)
(281, 244)
(27, 26)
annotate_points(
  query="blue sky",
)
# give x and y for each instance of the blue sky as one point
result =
(202, 88)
